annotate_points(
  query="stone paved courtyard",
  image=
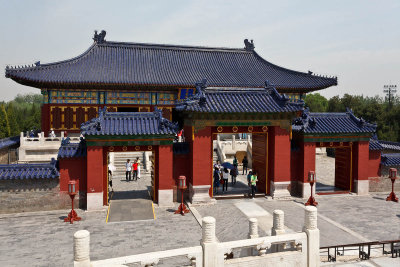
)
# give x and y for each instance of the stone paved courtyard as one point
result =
(43, 239)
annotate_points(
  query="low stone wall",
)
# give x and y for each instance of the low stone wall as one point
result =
(25, 195)
(383, 184)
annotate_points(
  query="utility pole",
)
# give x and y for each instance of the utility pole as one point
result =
(390, 90)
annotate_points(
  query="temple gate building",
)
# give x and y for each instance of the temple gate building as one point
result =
(136, 97)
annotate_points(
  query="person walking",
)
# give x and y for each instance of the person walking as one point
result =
(225, 177)
(235, 161)
(249, 181)
(234, 173)
(128, 167)
(253, 182)
(217, 177)
(138, 167)
(245, 163)
(135, 171)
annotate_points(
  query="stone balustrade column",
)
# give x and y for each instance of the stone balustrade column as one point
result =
(209, 242)
(253, 233)
(278, 227)
(81, 248)
(253, 228)
(233, 142)
(312, 231)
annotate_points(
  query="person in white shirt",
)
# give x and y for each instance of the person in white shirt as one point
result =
(138, 167)
(225, 177)
(52, 134)
(128, 166)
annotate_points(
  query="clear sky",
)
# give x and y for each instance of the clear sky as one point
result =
(358, 41)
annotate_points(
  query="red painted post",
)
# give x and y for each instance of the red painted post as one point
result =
(72, 216)
(311, 201)
(182, 186)
(393, 177)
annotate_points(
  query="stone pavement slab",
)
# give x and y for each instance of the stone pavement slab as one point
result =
(129, 210)
(43, 239)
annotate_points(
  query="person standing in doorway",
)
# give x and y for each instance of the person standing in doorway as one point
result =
(128, 167)
(225, 177)
(245, 163)
(235, 161)
(253, 182)
(234, 173)
(249, 181)
(138, 167)
(135, 171)
(217, 177)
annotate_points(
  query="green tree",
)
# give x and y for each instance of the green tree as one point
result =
(316, 102)
(4, 126)
(12, 121)
(335, 105)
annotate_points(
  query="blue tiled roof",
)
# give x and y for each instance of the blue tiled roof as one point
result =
(374, 144)
(390, 159)
(29, 171)
(388, 145)
(331, 123)
(10, 141)
(128, 64)
(244, 100)
(129, 123)
(72, 150)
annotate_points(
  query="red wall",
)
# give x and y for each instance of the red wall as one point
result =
(307, 161)
(279, 154)
(360, 160)
(374, 163)
(182, 166)
(259, 153)
(202, 158)
(165, 161)
(72, 169)
(95, 169)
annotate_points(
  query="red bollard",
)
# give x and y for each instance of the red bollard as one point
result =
(311, 201)
(182, 186)
(72, 216)
(393, 177)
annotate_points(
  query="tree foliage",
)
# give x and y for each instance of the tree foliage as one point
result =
(20, 115)
(373, 109)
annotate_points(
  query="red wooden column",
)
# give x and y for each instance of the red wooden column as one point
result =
(94, 177)
(360, 167)
(165, 180)
(200, 185)
(307, 165)
(259, 164)
(279, 161)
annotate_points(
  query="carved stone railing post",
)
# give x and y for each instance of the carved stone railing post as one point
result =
(278, 228)
(211, 257)
(233, 142)
(82, 248)
(312, 231)
(253, 233)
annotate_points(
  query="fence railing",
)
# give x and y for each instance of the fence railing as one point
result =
(280, 249)
(363, 250)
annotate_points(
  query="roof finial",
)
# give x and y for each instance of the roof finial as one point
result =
(249, 46)
(37, 63)
(99, 38)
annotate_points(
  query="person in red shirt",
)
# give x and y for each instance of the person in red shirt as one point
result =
(135, 170)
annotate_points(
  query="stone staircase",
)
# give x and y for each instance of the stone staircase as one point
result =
(120, 159)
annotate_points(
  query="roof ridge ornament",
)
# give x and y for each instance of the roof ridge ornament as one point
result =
(99, 38)
(249, 46)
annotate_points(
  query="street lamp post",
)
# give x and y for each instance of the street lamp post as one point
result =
(393, 177)
(311, 201)
(72, 216)
(182, 186)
